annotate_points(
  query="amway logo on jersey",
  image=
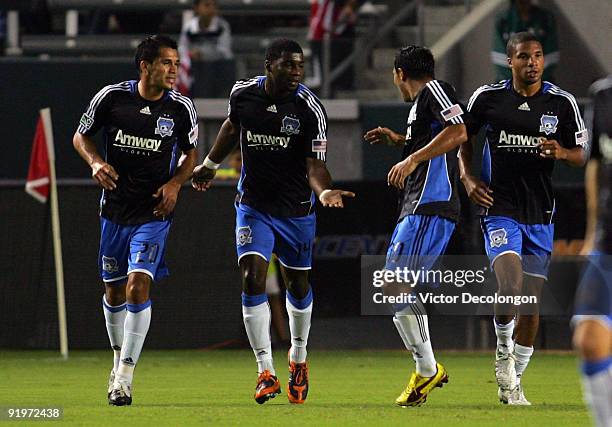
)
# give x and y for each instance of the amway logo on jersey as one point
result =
(267, 140)
(511, 141)
(125, 140)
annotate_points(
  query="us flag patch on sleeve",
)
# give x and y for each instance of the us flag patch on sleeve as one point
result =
(452, 112)
(582, 137)
(319, 145)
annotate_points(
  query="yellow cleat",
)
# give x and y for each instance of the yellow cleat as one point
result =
(419, 387)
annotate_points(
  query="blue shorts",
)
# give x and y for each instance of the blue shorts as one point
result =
(533, 243)
(125, 249)
(594, 295)
(290, 238)
(418, 241)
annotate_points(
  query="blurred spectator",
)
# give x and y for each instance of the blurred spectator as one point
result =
(338, 18)
(205, 37)
(522, 15)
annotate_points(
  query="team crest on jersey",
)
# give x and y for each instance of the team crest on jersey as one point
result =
(164, 126)
(291, 126)
(548, 124)
(243, 236)
(109, 264)
(498, 237)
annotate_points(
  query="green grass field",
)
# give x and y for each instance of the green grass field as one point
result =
(182, 387)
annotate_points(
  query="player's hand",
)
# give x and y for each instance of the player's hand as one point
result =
(478, 191)
(105, 175)
(550, 149)
(379, 135)
(168, 194)
(333, 198)
(202, 178)
(400, 171)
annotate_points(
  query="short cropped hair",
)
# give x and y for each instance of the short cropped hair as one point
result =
(518, 38)
(277, 47)
(416, 62)
(148, 49)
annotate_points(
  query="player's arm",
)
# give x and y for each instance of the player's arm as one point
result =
(103, 173)
(168, 193)
(320, 182)
(451, 137)
(224, 144)
(477, 190)
(382, 135)
(591, 190)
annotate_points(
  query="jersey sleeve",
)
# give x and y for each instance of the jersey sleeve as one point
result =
(188, 137)
(475, 108)
(96, 114)
(232, 111)
(592, 124)
(315, 129)
(573, 130)
(443, 104)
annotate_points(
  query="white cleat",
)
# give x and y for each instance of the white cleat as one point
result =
(503, 395)
(505, 371)
(111, 380)
(517, 397)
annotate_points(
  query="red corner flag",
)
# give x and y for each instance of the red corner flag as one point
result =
(38, 181)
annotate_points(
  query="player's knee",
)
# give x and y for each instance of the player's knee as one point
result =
(587, 343)
(298, 285)
(137, 289)
(253, 283)
(115, 294)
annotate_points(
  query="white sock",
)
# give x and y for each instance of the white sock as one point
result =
(415, 326)
(598, 394)
(522, 355)
(137, 324)
(257, 324)
(115, 321)
(299, 325)
(504, 336)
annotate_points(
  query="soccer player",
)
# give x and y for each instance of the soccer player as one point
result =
(282, 129)
(529, 125)
(593, 319)
(427, 178)
(146, 124)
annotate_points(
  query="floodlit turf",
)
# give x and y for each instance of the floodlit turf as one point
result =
(180, 388)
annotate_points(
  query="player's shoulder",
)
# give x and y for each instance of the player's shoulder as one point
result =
(309, 99)
(486, 91)
(556, 91)
(185, 103)
(440, 87)
(126, 86)
(600, 86)
(245, 84)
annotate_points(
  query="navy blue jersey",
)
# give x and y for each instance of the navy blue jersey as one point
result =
(142, 141)
(520, 178)
(432, 188)
(599, 120)
(276, 137)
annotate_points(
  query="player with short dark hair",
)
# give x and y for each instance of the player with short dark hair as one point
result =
(593, 319)
(282, 129)
(146, 126)
(529, 125)
(429, 203)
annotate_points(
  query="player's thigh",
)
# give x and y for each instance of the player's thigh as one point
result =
(114, 252)
(294, 237)
(418, 241)
(537, 249)
(147, 250)
(593, 299)
(254, 234)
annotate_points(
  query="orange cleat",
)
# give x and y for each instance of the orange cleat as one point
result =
(267, 387)
(297, 389)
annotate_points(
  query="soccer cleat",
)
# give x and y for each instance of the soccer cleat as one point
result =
(111, 381)
(121, 394)
(297, 389)
(267, 387)
(505, 372)
(517, 397)
(419, 387)
(503, 395)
